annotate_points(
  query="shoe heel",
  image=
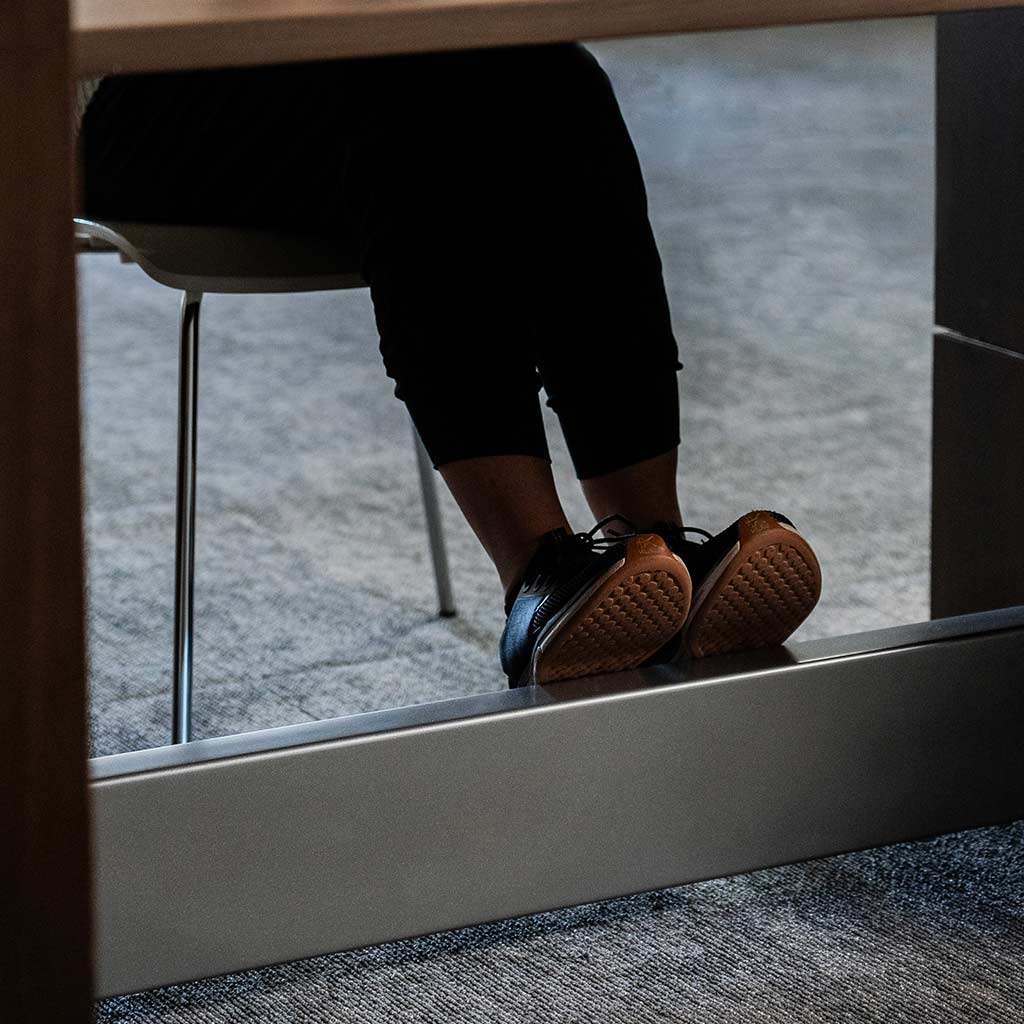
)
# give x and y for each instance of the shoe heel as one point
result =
(628, 619)
(646, 544)
(762, 595)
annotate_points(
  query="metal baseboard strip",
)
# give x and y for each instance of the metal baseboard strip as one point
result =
(226, 854)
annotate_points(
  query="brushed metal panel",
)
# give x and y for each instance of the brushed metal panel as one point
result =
(571, 794)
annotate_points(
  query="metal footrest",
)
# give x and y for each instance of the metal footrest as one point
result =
(231, 853)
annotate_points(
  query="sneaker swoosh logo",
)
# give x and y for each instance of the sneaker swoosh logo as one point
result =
(647, 544)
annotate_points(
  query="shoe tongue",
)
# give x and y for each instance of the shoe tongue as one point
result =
(559, 535)
(675, 536)
(549, 546)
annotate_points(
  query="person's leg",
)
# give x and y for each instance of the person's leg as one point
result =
(515, 176)
(392, 157)
(221, 147)
(438, 234)
(478, 413)
(608, 362)
(225, 147)
(510, 502)
(645, 493)
(605, 345)
(457, 214)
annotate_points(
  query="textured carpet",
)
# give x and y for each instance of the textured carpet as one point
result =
(790, 179)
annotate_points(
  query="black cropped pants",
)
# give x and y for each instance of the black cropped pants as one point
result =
(492, 200)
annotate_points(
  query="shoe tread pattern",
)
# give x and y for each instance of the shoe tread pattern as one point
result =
(630, 622)
(767, 596)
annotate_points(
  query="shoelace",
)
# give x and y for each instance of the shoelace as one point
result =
(676, 535)
(577, 544)
(694, 529)
(591, 540)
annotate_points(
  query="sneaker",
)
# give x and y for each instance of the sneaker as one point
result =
(753, 583)
(590, 604)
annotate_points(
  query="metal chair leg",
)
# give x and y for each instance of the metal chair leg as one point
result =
(185, 543)
(435, 528)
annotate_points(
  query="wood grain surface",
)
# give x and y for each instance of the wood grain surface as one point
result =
(45, 965)
(138, 35)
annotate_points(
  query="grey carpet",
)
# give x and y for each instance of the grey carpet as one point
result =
(790, 178)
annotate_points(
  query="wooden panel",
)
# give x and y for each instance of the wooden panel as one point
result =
(45, 970)
(977, 479)
(132, 35)
(979, 285)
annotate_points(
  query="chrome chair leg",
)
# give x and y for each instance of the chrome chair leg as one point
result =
(185, 542)
(435, 528)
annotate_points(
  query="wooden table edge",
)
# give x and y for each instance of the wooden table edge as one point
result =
(118, 35)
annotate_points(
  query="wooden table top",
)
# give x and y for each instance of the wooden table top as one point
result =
(140, 35)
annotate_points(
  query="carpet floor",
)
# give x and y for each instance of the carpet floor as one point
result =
(791, 186)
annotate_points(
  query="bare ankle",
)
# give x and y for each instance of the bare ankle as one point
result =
(510, 501)
(645, 493)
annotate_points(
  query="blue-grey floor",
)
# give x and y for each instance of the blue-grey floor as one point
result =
(790, 180)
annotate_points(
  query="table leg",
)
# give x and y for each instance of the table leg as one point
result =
(45, 968)
(978, 418)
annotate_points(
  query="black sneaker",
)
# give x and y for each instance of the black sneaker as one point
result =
(753, 583)
(589, 604)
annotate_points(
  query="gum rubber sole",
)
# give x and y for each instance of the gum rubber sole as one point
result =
(626, 619)
(770, 583)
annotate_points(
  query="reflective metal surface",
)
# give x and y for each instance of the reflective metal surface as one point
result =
(185, 517)
(226, 854)
(435, 527)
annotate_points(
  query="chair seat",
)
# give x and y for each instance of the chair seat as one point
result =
(201, 258)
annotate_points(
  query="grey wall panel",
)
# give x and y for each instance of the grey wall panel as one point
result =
(979, 230)
(977, 477)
